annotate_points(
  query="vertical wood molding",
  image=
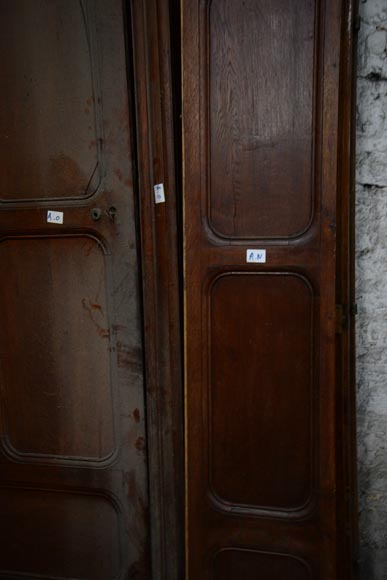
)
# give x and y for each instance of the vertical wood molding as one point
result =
(346, 360)
(159, 250)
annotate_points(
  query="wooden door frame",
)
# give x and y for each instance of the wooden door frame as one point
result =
(345, 292)
(149, 47)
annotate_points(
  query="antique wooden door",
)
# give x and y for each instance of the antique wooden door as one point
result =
(266, 119)
(73, 478)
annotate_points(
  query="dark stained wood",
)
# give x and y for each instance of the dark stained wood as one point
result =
(264, 138)
(51, 531)
(261, 155)
(259, 360)
(73, 466)
(156, 164)
(46, 414)
(345, 354)
(251, 564)
(54, 107)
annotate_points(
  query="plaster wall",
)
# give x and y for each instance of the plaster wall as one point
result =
(371, 264)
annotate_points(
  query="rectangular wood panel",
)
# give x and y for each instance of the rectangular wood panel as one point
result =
(251, 564)
(79, 535)
(56, 373)
(261, 155)
(260, 353)
(51, 99)
(262, 148)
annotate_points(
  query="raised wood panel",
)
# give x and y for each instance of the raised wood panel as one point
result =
(79, 535)
(49, 140)
(232, 563)
(260, 391)
(56, 373)
(71, 375)
(262, 60)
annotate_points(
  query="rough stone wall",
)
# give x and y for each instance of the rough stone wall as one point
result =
(371, 263)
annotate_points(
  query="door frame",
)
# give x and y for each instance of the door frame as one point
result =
(153, 110)
(346, 453)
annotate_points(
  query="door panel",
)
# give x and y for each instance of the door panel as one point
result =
(260, 358)
(51, 523)
(261, 98)
(59, 402)
(261, 155)
(51, 99)
(250, 565)
(73, 477)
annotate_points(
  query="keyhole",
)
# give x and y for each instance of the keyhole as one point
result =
(96, 214)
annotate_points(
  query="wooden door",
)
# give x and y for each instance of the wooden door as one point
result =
(73, 474)
(266, 124)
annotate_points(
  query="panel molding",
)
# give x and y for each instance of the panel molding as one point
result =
(103, 495)
(233, 509)
(213, 234)
(9, 450)
(87, 9)
(245, 550)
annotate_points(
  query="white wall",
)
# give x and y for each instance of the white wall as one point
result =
(371, 263)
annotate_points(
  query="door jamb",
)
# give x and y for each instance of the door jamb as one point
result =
(149, 31)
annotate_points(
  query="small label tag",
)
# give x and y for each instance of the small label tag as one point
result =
(256, 256)
(159, 193)
(55, 217)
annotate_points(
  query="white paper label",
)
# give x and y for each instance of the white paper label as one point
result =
(256, 256)
(55, 217)
(159, 193)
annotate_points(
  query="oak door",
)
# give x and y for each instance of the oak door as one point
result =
(73, 478)
(266, 142)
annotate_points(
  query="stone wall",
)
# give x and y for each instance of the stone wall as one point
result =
(371, 263)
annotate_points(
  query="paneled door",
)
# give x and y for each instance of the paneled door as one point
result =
(266, 133)
(73, 477)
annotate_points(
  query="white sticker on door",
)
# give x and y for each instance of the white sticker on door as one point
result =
(256, 256)
(55, 217)
(159, 193)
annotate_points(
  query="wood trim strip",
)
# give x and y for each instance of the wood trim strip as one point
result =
(159, 248)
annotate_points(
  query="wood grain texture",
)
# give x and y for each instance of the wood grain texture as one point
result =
(74, 491)
(234, 400)
(260, 356)
(44, 516)
(156, 129)
(49, 127)
(58, 402)
(261, 92)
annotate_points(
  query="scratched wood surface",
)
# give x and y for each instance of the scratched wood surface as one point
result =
(73, 466)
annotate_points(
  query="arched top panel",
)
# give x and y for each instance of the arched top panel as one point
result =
(49, 139)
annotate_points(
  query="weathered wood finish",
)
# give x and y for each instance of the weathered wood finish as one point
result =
(73, 466)
(159, 248)
(265, 87)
